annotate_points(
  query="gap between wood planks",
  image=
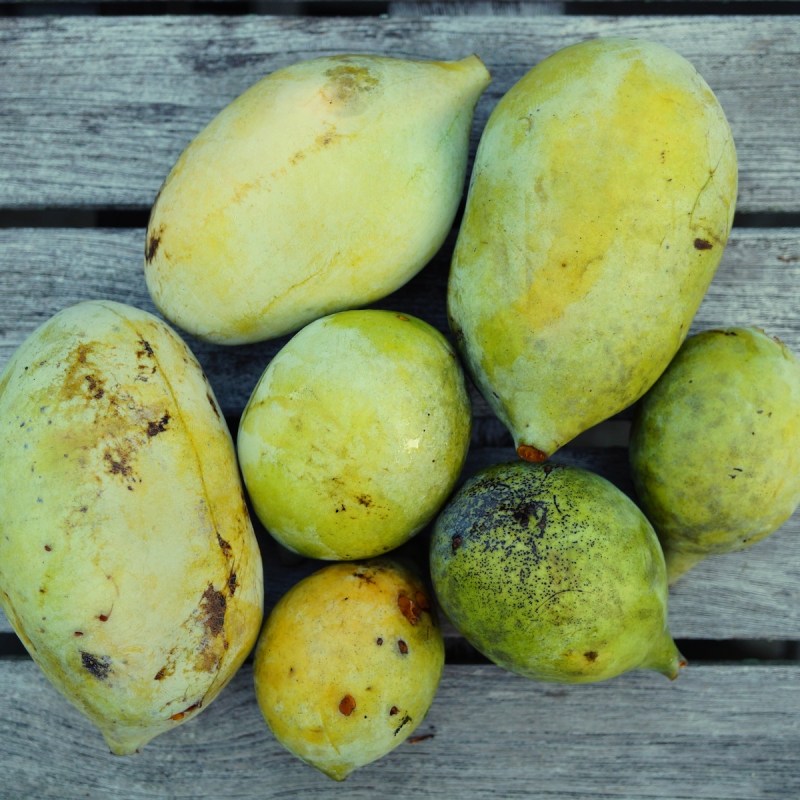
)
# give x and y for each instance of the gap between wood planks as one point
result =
(138, 218)
(375, 8)
(696, 651)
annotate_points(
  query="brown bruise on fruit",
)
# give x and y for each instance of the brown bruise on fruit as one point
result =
(347, 705)
(413, 608)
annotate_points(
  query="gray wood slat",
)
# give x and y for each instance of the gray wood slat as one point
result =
(95, 110)
(717, 733)
(44, 270)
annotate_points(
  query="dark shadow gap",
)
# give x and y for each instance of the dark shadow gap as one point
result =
(696, 651)
(138, 218)
(644, 8)
(234, 8)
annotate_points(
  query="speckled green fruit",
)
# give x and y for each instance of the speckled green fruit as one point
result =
(600, 203)
(715, 445)
(348, 663)
(355, 435)
(553, 573)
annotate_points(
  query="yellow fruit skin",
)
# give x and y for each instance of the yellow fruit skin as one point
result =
(348, 663)
(128, 563)
(355, 434)
(715, 445)
(325, 186)
(600, 202)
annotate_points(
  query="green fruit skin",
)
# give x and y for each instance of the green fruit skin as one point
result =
(355, 435)
(599, 206)
(348, 664)
(553, 573)
(715, 445)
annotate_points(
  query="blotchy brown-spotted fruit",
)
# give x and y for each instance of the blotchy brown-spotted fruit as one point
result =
(348, 663)
(715, 445)
(553, 573)
(600, 202)
(128, 563)
(325, 186)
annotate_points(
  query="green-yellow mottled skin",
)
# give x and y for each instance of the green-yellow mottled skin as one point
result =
(715, 445)
(355, 434)
(600, 202)
(348, 663)
(553, 573)
(128, 563)
(325, 186)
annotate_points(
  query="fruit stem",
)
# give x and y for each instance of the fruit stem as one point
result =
(528, 452)
(666, 658)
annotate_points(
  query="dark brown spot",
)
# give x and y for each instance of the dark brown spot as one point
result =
(393, 710)
(412, 609)
(78, 633)
(117, 461)
(232, 584)
(406, 719)
(102, 617)
(223, 545)
(456, 542)
(48, 548)
(213, 605)
(379, 641)
(99, 666)
(402, 646)
(181, 714)
(161, 674)
(702, 244)
(95, 387)
(213, 404)
(146, 350)
(153, 241)
(347, 705)
(590, 655)
(365, 500)
(154, 428)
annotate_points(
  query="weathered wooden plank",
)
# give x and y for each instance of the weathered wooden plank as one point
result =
(721, 732)
(44, 270)
(103, 126)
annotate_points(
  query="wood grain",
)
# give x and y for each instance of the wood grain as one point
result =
(102, 126)
(717, 732)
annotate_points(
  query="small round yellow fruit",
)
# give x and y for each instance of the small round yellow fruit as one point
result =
(348, 663)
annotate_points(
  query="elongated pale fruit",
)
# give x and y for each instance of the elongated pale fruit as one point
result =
(128, 564)
(355, 435)
(325, 186)
(600, 202)
(715, 445)
(348, 663)
(553, 573)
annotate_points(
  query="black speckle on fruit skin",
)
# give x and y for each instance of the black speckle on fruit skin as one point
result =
(539, 556)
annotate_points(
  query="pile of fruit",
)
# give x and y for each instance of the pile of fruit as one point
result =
(601, 199)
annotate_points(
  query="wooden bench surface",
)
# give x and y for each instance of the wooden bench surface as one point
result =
(96, 103)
